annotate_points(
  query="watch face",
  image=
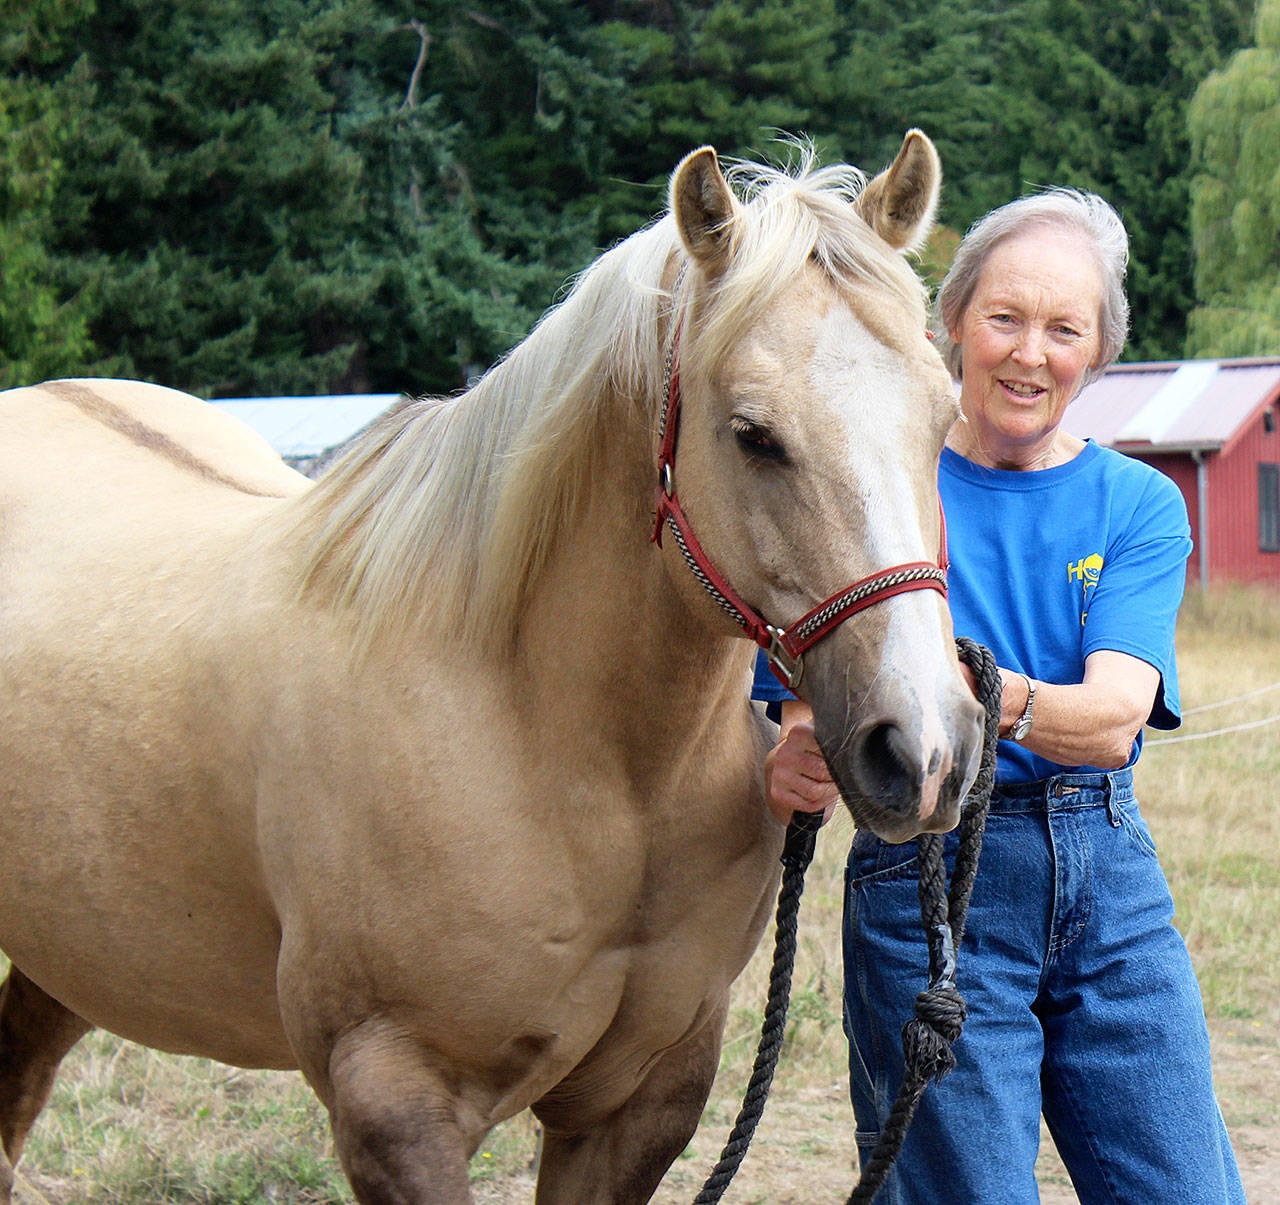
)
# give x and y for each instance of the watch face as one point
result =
(1020, 729)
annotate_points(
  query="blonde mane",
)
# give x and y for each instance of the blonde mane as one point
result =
(446, 510)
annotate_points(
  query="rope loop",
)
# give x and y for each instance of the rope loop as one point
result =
(796, 855)
(940, 1009)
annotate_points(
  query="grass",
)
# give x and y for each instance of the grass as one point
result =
(1211, 803)
(130, 1127)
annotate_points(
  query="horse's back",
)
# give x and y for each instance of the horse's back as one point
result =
(128, 557)
(119, 499)
(64, 422)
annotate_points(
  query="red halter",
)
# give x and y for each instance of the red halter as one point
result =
(785, 646)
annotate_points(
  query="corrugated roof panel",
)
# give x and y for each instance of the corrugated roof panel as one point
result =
(1104, 407)
(1228, 400)
(1194, 402)
(1152, 421)
(1176, 404)
(308, 426)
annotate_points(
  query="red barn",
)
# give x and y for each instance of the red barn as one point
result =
(1214, 427)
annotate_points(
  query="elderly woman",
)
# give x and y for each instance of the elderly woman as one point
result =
(1068, 562)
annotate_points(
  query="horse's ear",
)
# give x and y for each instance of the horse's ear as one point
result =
(899, 203)
(703, 205)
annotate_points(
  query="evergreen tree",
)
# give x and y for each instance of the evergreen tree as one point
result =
(1028, 94)
(735, 74)
(1235, 133)
(322, 195)
(40, 336)
(205, 205)
(482, 135)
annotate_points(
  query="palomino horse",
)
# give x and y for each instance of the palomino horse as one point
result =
(438, 780)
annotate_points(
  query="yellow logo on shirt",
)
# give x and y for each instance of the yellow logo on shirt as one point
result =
(1086, 571)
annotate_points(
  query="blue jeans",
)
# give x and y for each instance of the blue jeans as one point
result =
(1082, 1005)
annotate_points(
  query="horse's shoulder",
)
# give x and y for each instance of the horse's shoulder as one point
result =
(183, 430)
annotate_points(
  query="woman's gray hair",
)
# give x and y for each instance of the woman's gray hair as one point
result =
(1060, 208)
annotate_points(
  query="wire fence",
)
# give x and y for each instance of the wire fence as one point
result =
(1203, 707)
(1251, 694)
(1204, 736)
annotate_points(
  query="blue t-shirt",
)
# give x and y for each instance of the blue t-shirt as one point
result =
(1050, 566)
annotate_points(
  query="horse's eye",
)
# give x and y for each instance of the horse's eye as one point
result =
(755, 439)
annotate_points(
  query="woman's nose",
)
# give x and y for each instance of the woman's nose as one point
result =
(1029, 347)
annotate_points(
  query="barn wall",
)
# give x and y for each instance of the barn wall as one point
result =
(1234, 555)
(1233, 500)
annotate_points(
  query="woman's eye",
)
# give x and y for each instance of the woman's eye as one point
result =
(757, 440)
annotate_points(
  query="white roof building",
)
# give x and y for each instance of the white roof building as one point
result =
(307, 430)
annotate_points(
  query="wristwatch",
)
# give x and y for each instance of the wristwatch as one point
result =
(1022, 725)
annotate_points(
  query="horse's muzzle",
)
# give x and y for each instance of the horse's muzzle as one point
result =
(905, 767)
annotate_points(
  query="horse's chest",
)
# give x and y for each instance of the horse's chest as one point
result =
(691, 936)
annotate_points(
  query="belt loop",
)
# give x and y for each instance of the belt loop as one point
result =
(1113, 809)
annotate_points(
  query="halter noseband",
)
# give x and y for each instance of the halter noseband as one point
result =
(785, 646)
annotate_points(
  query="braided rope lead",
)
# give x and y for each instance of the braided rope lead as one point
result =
(797, 853)
(935, 1008)
(939, 1010)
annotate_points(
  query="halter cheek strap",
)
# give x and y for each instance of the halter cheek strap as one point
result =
(785, 646)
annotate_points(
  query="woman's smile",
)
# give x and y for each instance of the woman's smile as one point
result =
(1020, 390)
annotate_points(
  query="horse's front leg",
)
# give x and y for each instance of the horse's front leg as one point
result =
(396, 1125)
(621, 1160)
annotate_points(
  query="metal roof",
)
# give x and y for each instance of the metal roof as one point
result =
(1173, 405)
(308, 426)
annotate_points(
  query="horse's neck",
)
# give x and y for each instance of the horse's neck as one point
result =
(606, 635)
(594, 637)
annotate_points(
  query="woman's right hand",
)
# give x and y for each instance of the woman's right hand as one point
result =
(795, 772)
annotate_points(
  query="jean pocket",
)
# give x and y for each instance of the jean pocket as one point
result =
(1132, 822)
(874, 861)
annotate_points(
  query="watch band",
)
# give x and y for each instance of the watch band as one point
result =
(1022, 725)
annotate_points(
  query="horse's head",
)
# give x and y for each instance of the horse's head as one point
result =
(813, 413)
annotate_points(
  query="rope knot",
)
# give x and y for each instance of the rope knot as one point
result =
(927, 1038)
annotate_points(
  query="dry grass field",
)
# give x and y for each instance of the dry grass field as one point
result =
(130, 1127)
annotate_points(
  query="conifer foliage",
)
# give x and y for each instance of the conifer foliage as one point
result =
(40, 334)
(1235, 217)
(243, 197)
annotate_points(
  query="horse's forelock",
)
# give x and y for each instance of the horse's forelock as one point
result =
(792, 218)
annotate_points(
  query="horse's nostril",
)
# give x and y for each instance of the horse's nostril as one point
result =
(884, 766)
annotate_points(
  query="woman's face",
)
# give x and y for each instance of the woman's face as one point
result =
(1027, 337)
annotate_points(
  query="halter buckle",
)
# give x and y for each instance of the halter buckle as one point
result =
(786, 666)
